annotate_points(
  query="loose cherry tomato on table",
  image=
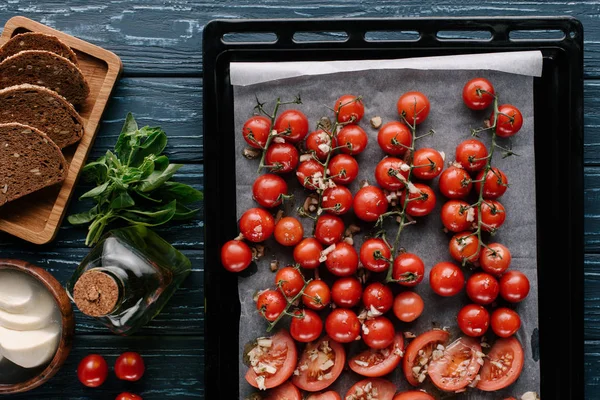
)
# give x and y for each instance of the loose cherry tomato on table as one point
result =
(317, 295)
(310, 174)
(514, 286)
(482, 288)
(288, 231)
(130, 366)
(391, 173)
(128, 396)
(269, 190)
(446, 279)
(378, 332)
(374, 363)
(473, 320)
(256, 131)
(495, 259)
(343, 169)
(257, 225)
(330, 395)
(413, 395)
(306, 326)
(408, 306)
(472, 155)
(321, 143)
(464, 246)
(369, 203)
(502, 366)
(413, 107)
(495, 184)
(307, 253)
(343, 260)
(349, 108)
(280, 354)
(366, 389)
(493, 215)
(318, 373)
(421, 202)
(505, 322)
(281, 158)
(478, 94)
(378, 296)
(346, 292)
(337, 200)
(408, 269)
(455, 183)
(427, 163)
(352, 139)
(295, 123)
(342, 325)
(394, 138)
(270, 304)
(92, 370)
(458, 366)
(289, 280)
(458, 215)
(420, 349)
(236, 256)
(285, 391)
(375, 255)
(509, 122)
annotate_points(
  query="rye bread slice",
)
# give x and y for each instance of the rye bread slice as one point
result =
(43, 68)
(43, 109)
(36, 41)
(29, 161)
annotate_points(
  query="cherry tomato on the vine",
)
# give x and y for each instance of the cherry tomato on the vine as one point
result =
(295, 123)
(236, 256)
(391, 173)
(309, 174)
(270, 304)
(514, 286)
(495, 185)
(128, 396)
(446, 279)
(464, 246)
(281, 158)
(343, 260)
(493, 215)
(92, 370)
(505, 322)
(337, 200)
(346, 291)
(317, 295)
(343, 169)
(378, 296)
(495, 259)
(307, 253)
(408, 269)
(369, 203)
(130, 367)
(289, 280)
(472, 155)
(482, 288)
(414, 107)
(408, 306)
(427, 163)
(509, 122)
(269, 190)
(378, 332)
(421, 202)
(288, 231)
(473, 320)
(375, 255)
(342, 325)
(352, 139)
(394, 138)
(257, 225)
(478, 94)
(455, 183)
(321, 143)
(329, 229)
(306, 326)
(349, 108)
(458, 215)
(256, 131)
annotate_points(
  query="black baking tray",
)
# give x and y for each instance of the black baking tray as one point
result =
(558, 98)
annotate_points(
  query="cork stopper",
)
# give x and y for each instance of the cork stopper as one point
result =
(96, 293)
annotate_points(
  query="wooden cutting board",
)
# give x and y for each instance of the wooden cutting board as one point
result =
(37, 217)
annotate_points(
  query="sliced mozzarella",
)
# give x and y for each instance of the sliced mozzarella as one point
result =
(16, 292)
(36, 317)
(32, 348)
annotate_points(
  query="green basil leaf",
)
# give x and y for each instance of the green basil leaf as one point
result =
(84, 217)
(147, 196)
(181, 192)
(127, 139)
(97, 191)
(161, 162)
(153, 143)
(182, 212)
(123, 200)
(157, 178)
(147, 167)
(96, 171)
(150, 218)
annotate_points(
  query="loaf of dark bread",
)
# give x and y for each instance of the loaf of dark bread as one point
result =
(43, 109)
(43, 68)
(36, 41)
(29, 161)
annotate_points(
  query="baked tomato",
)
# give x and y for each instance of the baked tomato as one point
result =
(413, 107)
(287, 391)
(330, 395)
(478, 94)
(318, 373)
(455, 183)
(413, 395)
(458, 366)
(292, 125)
(369, 203)
(375, 255)
(375, 363)
(372, 388)
(502, 366)
(394, 138)
(349, 108)
(418, 354)
(272, 361)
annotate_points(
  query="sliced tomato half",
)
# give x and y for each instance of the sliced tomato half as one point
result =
(414, 395)
(321, 364)
(413, 358)
(375, 363)
(285, 391)
(457, 366)
(372, 388)
(502, 366)
(272, 361)
(330, 395)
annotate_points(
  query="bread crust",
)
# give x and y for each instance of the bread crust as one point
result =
(37, 41)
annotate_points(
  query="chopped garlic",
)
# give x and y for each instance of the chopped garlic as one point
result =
(264, 342)
(326, 365)
(361, 363)
(260, 381)
(530, 396)
(471, 214)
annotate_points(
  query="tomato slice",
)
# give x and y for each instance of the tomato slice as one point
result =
(502, 366)
(286, 391)
(272, 361)
(321, 364)
(457, 366)
(375, 363)
(372, 388)
(414, 395)
(427, 342)
(331, 395)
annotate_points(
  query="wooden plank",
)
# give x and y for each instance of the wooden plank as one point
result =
(174, 369)
(592, 212)
(591, 363)
(592, 297)
(591, 103)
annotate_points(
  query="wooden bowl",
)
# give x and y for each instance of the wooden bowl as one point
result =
(67, 321)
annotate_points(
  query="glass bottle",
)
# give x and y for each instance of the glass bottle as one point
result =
(127, 278)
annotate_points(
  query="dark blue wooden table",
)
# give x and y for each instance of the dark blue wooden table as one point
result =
(160, 43)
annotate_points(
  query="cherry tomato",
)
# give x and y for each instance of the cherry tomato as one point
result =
(289, 280)
(293, 121)
(446, 279)
(478, 94)
(366, 389)
(343, 260)
(349, 108)
(472, 155)
(493, 215)
(378, 362)
(342, 325)
(514, 286)
(307, 253)
(374, 255)
(473, 320)
(482, 288)
(269, 190)
(346, 292)
(495, 259)
(413, 107)
(321, 143)
(343, 169)
(130, 366)
(502, 366)
(337, 200)
(413, 395)
(310, 174)
(128, 396)
(288, 231)
(330, 395)
(256, 131)
(421, 202)
(408, 269)
(92, 370)
(464, 246)
(509, 120)
(378, 332)
(378, 296)
(408, 306)
(281, 355)
(505, 322)
(455, 183)
(391, 173)
(394, 138)
(270, 304)
(428, 163)
(236, 256)
(281, 158)
(421, 348)
(369, 203)
(458, 215)
(257, 225)
(285, 391)
(458, 366)
(312, 377)
(352, 139)
(317, 295)
(306, 326)
(495, 184)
